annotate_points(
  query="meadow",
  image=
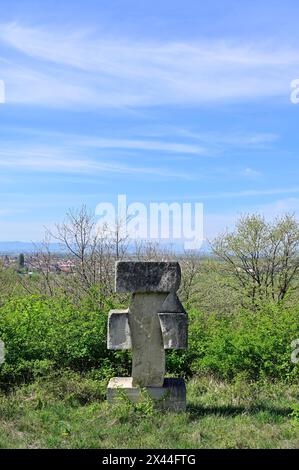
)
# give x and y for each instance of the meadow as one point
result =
(242, 386)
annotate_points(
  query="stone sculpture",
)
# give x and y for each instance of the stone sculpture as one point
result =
(154, 321)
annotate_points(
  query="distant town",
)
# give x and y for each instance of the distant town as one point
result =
(30, 263)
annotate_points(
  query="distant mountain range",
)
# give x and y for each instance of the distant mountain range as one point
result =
(29, 247)
(24, 247)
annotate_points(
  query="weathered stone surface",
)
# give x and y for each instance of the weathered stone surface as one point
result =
(172, 304)
(155, 321)
(171, 396)
(147, 276)
(119, 335)
(174, 327)
(148, 357)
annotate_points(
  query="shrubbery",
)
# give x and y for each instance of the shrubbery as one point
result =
(43, 334)
(255, 345)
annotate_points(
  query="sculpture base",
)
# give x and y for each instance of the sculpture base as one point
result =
(171, 397)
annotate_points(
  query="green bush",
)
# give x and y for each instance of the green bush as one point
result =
(295, 413)
(256, 344)
(42, 335)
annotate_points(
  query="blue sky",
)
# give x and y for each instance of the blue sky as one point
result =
(162, 101)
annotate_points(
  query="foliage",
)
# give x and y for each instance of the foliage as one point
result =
(21, 261)
(295, 413)
(256, 344)
(43, 334)
(243, 316)
(262, 257)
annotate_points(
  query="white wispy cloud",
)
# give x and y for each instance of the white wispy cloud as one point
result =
(250, 172)
(87, 155)
(229, 139)
(62, 68)
(250, 193)
(205, 144)
(132, 144)
(59, 160)
(127, 144)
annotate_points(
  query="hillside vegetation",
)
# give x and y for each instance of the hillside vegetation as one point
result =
(243, 309)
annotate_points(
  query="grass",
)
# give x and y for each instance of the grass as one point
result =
(69, 411)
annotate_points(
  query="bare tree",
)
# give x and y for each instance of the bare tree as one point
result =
(92, 250)
(118, 237)
(77, 235)
(41, 261)
(190, 264)
(145, 250)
